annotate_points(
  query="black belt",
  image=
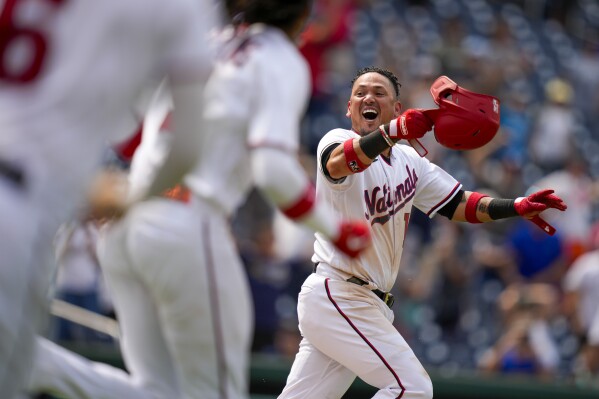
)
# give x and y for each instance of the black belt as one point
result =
(12, 173)
(386, 297)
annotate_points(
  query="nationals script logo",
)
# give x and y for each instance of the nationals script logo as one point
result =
(386, 201)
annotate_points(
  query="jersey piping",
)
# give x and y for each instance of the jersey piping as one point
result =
(353, 326)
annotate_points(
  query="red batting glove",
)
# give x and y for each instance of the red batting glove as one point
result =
(412, 124)
(530, 207)
(354, 237)
(537, 202)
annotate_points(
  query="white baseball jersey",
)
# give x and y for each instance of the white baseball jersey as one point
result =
(71, 75)
(358, 338)
(255, 98)
(63, 99)
(155, 143)
(387, 191)
(241, 114)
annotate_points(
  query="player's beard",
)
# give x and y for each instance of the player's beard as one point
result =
(368, 126)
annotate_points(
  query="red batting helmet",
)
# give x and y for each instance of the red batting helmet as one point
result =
(464, 120)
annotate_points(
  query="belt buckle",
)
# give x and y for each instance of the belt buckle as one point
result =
(389, 299)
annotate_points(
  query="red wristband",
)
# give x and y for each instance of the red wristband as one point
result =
(471, 207)
(127, 148)
(351, 157)
(303, 205)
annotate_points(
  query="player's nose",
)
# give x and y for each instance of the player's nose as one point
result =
(369, 98)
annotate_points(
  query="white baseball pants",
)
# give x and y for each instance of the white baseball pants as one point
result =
(347, 332)
(182, 298)
(184, 308)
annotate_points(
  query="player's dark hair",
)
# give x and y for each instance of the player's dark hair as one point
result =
(385, 72)
(279, 13)
(233, 8)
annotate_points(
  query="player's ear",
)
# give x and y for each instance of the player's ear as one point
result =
(397, 109)
(348, 113)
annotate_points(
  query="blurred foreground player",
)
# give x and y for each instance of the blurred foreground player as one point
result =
(71, 73)
(580, 285)
(179, 288)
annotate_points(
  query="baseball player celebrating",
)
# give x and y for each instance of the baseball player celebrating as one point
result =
(344, 308)
(71, 73)
(179, 288)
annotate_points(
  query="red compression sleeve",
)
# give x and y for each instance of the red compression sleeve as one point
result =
(471, 207)
(303, 205)
(351, 157)
(126, 149)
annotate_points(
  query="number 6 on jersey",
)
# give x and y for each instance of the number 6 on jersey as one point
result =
(23, 45)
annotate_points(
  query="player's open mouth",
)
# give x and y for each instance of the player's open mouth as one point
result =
(370, 114)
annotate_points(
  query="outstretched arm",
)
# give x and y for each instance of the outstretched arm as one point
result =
(474, 207)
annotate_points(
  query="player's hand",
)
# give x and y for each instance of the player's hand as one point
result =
(412, 124)
(531, 206)
(107, 196)
(353, 238)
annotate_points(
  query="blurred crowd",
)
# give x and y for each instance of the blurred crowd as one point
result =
(503, 297)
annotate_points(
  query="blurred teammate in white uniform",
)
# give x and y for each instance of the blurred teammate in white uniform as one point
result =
(179, 288)
(344, 308)
(581, 288)
(71, 72)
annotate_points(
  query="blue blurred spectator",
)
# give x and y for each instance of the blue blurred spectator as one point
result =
(538, 257)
